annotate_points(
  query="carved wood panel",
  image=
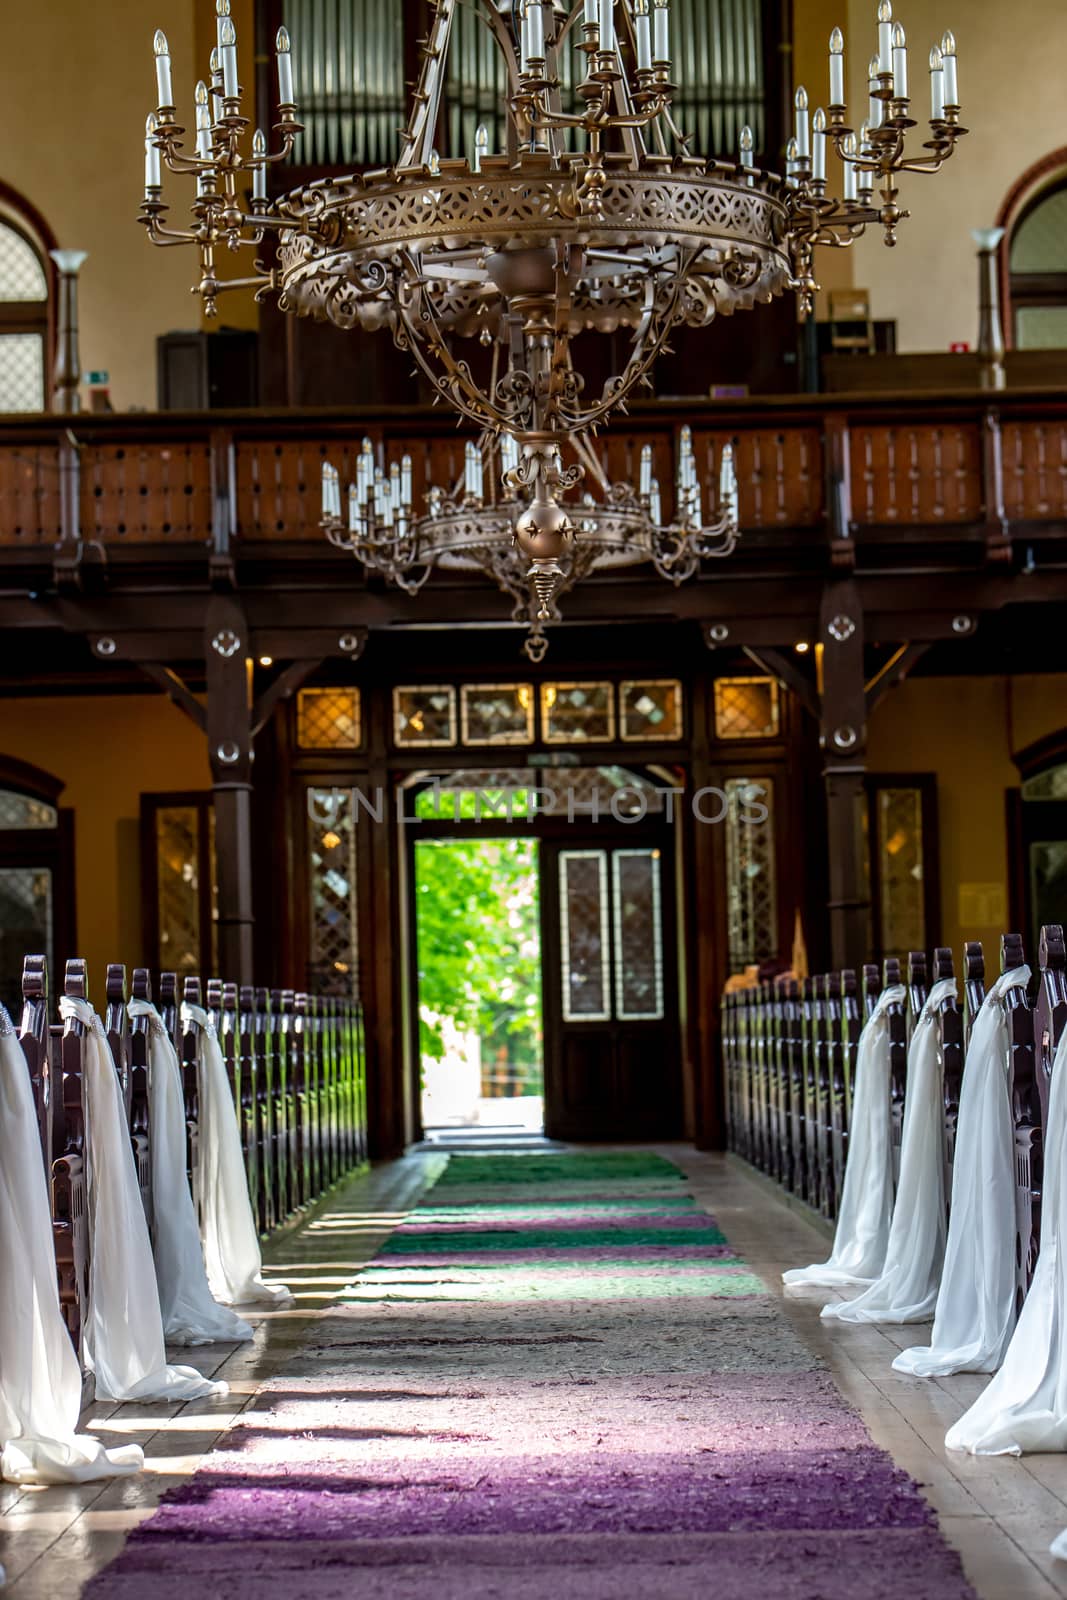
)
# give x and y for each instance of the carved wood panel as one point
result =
(916, 474)
(1035, 470)
(779, 472)
(29, 494)
(147, 493)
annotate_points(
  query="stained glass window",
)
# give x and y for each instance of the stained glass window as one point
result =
(328, 719)
(26, 926)
(1048, 785)
(584, 935)
(23, 811)
(751, 887)
(638, 944)
(746, 708)
(178, 887)
(577, 713)
(334, 942)
(497, 713)
(651, 710)
(423, 717)
(901, 893)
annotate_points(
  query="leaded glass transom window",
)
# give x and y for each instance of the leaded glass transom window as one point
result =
(1048, 785)
(328, 719)
(26, 926)
(751, 886)
(577, 713)
(746, 708)
(424, 717)
(334, 934)
(23, 322)
(651, 709)
(23, 811)
(497, 713)
(186, 887)
(584, 935)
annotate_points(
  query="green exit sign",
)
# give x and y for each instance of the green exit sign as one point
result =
(97, 380)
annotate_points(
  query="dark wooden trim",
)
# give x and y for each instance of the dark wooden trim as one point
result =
(1048, 751)
(25, 778)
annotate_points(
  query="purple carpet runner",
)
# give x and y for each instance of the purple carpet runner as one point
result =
(556, 1381)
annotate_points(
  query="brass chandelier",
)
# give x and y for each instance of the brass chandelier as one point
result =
(471, 525)
(595, 215)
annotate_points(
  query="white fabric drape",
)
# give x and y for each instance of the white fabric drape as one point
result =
(123, 1337)
(231, 1244)
(190, 1313)
(906, 1291)
(862, 1233)
(40, 1381)
(1024, 1407)
(975, 1313)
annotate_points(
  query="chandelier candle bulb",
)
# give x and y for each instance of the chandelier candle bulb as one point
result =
(481, 145)
(661, 19)
(818, 146)
(152, 175)
(259, 171)
(228, 58)
(937, 86)
(285, 68)
(222, 11)
(216, 84)
(885, 36)
(874, 109)
(203, 123)
(800, 105)
(791, 163)
(848, 145)
(864, 177)
(643, 28)
(164, 89)
(405, 480)
(655, 507)
(727, 477)
(607, 27)
(951, 78)
(837, 68)
(900, 63)
(535, 17)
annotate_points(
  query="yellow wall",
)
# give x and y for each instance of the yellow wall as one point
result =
(108, 750)
(77, 80)
(965, 730)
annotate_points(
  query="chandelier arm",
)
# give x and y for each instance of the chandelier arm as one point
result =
(418, 136)
(455, 383)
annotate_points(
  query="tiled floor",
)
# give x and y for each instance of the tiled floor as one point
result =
(1001, 1513)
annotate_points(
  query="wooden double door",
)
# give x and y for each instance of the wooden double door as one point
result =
(609, 973)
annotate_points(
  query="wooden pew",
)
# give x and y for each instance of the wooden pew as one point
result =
(35, 1041)
(810, 1008)
(188, 1055)
(253, 1072)
(1026, 1116)
(834, 1077)
(852, 1020)
(70, 1210)
(138, 1051)
(973, 985)
(950, 1022)
(779, 1088)
(792, 1021)
(363, 1144)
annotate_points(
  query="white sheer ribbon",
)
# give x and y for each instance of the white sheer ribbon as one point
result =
(40, 1381)
(975, 1313)
(906, 1291)
(190, 1313)
(1024, 1407)
(123, 1338)
(231, 1244)
(862, 1233)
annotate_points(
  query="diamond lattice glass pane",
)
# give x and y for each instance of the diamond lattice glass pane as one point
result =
(583, 916)
(178, 877)
(502, 793)
(423, 717)
(21, 372)
(751, 879)
(328, 719)
(900, 871)
(1049, 785)
(334, 946)
(638, 942)
(651, 710)
(497, 713)
(577, 713)
(22, 274)
(22, 811)
(25, 927)
(746, 708)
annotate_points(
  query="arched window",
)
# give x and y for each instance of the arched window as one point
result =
(1037, 259)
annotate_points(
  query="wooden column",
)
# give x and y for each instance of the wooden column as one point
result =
(843, 737)
(229, 738)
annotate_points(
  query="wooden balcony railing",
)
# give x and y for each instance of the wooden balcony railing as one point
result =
(840, 469)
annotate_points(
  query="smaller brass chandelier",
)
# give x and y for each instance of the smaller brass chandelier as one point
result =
(473, 525)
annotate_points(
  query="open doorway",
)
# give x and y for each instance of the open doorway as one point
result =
(478, 972)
